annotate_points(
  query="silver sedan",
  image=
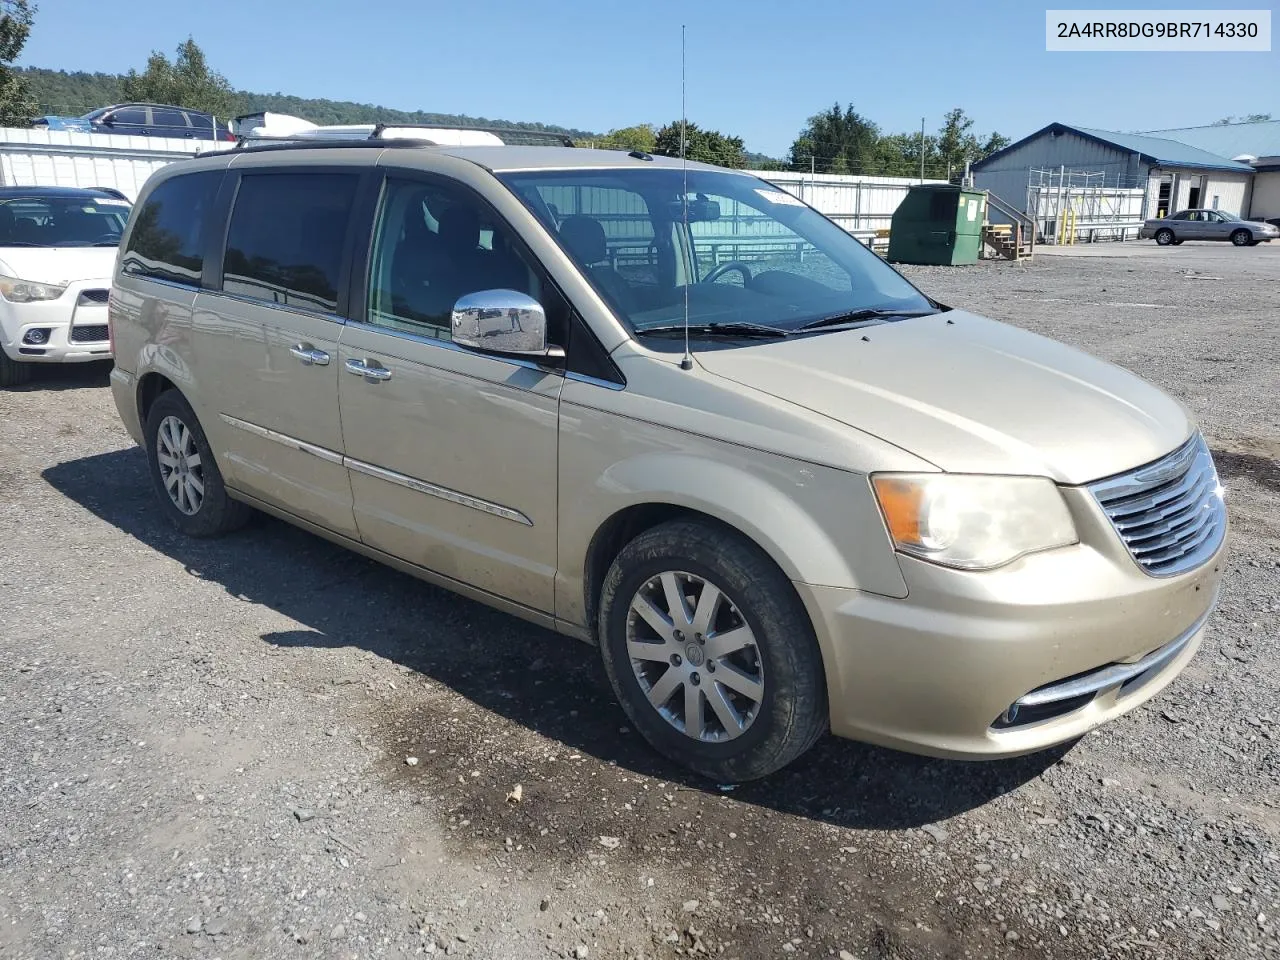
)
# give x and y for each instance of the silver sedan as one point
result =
(1207, 225)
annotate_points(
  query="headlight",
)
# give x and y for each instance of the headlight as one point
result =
(972, 522)
(24, 291)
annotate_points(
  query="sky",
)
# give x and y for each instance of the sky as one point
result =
(755, 69)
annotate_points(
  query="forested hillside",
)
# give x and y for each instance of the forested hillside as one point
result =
(72, 94)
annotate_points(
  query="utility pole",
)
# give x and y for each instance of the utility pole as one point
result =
(922, 149)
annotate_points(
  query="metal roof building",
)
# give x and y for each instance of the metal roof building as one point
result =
(1260, 139)
(1160, 171)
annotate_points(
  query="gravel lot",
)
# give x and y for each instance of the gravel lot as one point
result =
(204, 747)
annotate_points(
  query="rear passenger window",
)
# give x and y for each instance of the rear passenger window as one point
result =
(169, 118)
(286, 238)
(167, 238)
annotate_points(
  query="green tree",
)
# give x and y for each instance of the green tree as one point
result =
(17, 107)
(898, 155)
(995, 141)
(641, 137)
(705, 146)
(957, 145)
(838, 140)
(186, 82)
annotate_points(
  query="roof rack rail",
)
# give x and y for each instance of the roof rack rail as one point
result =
(510, 136)
(267, 126)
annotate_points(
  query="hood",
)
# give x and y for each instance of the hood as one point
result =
(970, 395)
(58, 265)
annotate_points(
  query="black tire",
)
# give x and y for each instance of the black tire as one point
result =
(1164, 237)
(792, 711)
(13, 373)
(1241, 238)
(216, 512)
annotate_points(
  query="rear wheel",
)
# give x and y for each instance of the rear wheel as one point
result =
(711, 653)
(13, 373)
(1241, 238)
(184, 473)
(1164, 237)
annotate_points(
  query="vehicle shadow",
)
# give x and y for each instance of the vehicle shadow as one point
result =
(540, 680)
(66, 376)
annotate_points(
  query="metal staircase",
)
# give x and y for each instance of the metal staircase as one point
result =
(1015, 240)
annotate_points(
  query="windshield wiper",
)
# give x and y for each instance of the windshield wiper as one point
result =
(727, 329)
(859, 316)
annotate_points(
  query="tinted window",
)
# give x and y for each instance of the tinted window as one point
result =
(433, 244)
(286, 237)
(166, 241)
(169, 118)
(130, 116)
(1181, 216)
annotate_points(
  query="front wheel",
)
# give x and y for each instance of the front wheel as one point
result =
(13, 373)
(711, 653)
(1241, 238)
(184, 473)
(1164, 237)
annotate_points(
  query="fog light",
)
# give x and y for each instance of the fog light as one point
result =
(38, 335)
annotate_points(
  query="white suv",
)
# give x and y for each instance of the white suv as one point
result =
(57, 249)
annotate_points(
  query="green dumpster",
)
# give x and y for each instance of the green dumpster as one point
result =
(938, 223)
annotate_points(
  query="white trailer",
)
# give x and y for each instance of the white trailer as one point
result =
(59, 158)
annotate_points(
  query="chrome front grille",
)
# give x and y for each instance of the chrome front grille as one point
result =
(1170, 513)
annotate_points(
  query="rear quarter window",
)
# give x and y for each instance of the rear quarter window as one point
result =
(286, 238)
(166, 241)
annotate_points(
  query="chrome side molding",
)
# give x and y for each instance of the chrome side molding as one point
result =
(381, 473)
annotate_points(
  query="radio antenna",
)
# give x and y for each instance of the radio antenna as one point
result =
(686, 362)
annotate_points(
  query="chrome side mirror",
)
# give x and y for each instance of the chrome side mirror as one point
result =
(502, 321)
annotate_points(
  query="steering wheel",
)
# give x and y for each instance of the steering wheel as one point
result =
(724, 268)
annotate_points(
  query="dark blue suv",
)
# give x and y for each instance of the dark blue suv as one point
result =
(144, 120)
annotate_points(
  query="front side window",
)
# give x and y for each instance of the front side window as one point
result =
(129, 117)
(433, 244)
(286, 238)
(166, 241)
(740, 250)
(62, 222)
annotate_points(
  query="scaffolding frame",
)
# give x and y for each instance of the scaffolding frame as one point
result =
(1072, 205)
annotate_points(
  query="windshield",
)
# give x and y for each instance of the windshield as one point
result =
(752, 254)
(62, 221)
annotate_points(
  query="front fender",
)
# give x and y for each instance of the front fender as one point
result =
(819, 524)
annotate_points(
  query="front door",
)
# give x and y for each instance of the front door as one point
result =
(451, 453)
(270, 337)
(1217, 227)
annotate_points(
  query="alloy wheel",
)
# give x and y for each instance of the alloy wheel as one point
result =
(695, 656)
(181, 469)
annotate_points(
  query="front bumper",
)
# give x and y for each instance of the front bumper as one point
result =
(73, 328)
(970, 665)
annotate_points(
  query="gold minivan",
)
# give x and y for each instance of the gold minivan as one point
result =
(674, 412)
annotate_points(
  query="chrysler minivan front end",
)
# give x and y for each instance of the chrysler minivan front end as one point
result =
(1061, 555)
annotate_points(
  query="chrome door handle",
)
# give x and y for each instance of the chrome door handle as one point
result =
(373, 374)
(309, 354)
